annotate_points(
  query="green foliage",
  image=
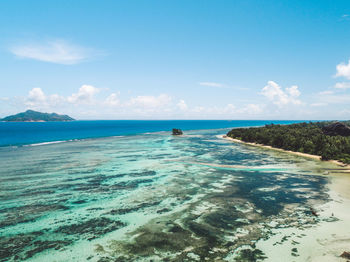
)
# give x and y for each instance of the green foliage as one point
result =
(31, 115)
(302, 137)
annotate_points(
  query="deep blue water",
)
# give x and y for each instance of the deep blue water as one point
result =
(21, 133)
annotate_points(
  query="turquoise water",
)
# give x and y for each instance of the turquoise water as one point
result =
(149, 197)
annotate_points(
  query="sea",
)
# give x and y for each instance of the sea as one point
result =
(27, 133)
(130, 191)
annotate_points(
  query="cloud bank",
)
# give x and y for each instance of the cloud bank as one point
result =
(90, 102)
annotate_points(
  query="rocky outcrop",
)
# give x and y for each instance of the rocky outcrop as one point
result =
(336, 129)
(345, 255)
(313, 212)
(177, 132)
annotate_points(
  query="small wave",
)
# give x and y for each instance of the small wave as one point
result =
(260, 168)
(154, 132)
(48, 143)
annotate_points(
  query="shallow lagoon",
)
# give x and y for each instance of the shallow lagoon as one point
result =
(155, 197)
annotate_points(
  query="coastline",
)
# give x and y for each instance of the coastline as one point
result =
(346, 168)
(325, 241)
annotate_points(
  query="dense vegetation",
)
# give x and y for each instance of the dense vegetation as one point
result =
(31, 115)
(303, 137)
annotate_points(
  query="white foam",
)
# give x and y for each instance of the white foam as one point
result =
(48, 143)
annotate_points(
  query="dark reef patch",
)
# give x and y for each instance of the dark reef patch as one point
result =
(271, 202)
(131, 184)
(223, 219)
(23, 246)
(91, 229)
(163, 236)
(122, 211)
(27, 213)
(78, 202)
(144, 173)
(250, 255)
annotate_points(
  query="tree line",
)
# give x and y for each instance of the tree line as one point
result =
(302, 137)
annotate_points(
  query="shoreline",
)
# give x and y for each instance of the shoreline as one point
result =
(346, 167)
(322, 242)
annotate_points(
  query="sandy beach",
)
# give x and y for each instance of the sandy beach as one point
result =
(345, 167)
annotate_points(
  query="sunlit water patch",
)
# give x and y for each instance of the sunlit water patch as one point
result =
(152, 196)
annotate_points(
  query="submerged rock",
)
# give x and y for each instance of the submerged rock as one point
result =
(313, 212)
(177, 132)
(345, 255)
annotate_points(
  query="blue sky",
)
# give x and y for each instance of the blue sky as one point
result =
(176, 59)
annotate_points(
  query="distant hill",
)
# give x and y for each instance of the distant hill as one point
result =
(34, 116)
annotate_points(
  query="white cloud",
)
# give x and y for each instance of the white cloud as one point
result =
(335, 99)
(345, 112)
(36, 96)
(37, 99)
(293, 91)
(150, 102)
(59, 52)
(198, 109)
(342, 85)
(85, 95)
(326, 92)
(112, 100)
(281, 97)
(230, 108)
(224, 112)
(182, 105)
(343, 70)
(55, 100)
(211, 84)
(345, 17)
(252, 109)
(318, 104)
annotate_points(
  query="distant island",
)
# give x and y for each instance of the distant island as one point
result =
(34, 116)
(329, 140)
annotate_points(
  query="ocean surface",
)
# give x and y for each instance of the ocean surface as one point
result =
(22, 133)
(134, 194)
